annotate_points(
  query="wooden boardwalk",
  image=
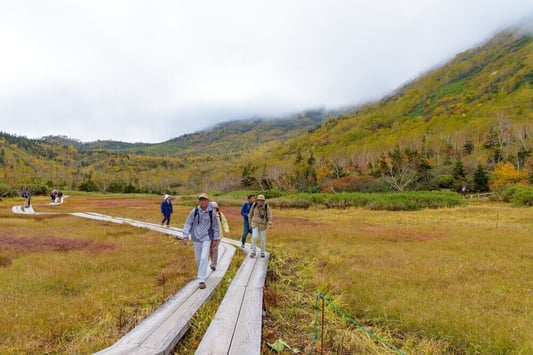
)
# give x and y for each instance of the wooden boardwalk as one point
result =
(236, 327)
(161, 331)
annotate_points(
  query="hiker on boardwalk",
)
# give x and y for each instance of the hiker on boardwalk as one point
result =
(202, 227)
(53, 196)
(26, 193)
(223, 228)
(166, 210)
(260, 219)
(245, 210)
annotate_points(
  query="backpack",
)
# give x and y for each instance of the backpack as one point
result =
(197, 213)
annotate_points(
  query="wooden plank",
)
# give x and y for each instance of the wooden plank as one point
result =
(245, 272)
(219, 334)
(176, 232)
(160, 332)
(22, 209)
(236, 327)
(247, 334)
(258, 276)
(150, 324)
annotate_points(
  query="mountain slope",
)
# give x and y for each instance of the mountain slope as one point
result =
(232, 137)
(482, 94)
(476, 110)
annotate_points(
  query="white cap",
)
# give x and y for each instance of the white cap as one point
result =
(166, 196)
(214, 204)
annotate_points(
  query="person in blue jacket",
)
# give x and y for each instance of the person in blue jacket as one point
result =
(245, 210)
(166, 210)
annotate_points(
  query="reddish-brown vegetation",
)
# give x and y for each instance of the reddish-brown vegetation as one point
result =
(47, 243)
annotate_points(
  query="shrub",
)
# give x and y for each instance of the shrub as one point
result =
(392, 201)
(524, 198)
(88, 186)
(115, 187)
(444, 181)
(271, 193)
(507, 193)
(8, 191)
(290, 203)
(355, 184)
(37, 189)
(518, 195)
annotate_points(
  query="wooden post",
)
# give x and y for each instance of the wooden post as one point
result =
(322, 340)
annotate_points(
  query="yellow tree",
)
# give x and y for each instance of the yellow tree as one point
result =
(506, 174)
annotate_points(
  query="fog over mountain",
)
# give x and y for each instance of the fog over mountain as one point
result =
(134, 71)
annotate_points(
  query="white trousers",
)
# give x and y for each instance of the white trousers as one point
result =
(201, 252)
(256, 233)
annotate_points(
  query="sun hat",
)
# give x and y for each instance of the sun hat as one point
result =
(203, 195)
(214, 204)
(261, 197)
(166, 196)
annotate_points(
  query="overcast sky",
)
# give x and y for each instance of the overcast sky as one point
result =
(149, 71)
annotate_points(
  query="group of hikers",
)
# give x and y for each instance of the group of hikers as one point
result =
(206, 225)
(56, 196)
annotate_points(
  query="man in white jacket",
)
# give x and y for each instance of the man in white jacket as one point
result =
(202, 227)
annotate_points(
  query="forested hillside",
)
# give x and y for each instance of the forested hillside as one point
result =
(468, 123)
(446, 129)
(179, 165)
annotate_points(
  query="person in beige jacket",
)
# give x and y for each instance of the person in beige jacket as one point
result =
(223, 231)
(260, 219)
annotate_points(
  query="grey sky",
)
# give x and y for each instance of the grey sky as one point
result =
(153, 70)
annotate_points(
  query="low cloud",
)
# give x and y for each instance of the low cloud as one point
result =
(134, 71)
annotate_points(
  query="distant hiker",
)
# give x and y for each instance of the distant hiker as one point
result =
(245, 210)
(463, 190)
(223, 228)
(260, 219)
(60, 197)
(53, 196)
(166, 210)
(202, 227)
(26, 193)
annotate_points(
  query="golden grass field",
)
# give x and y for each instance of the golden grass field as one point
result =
(72, 285)
(454, 280)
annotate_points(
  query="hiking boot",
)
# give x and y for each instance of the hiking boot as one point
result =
(252, 255)
(262, 255)
(242, 246)
(213, 267)
(202, 285)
